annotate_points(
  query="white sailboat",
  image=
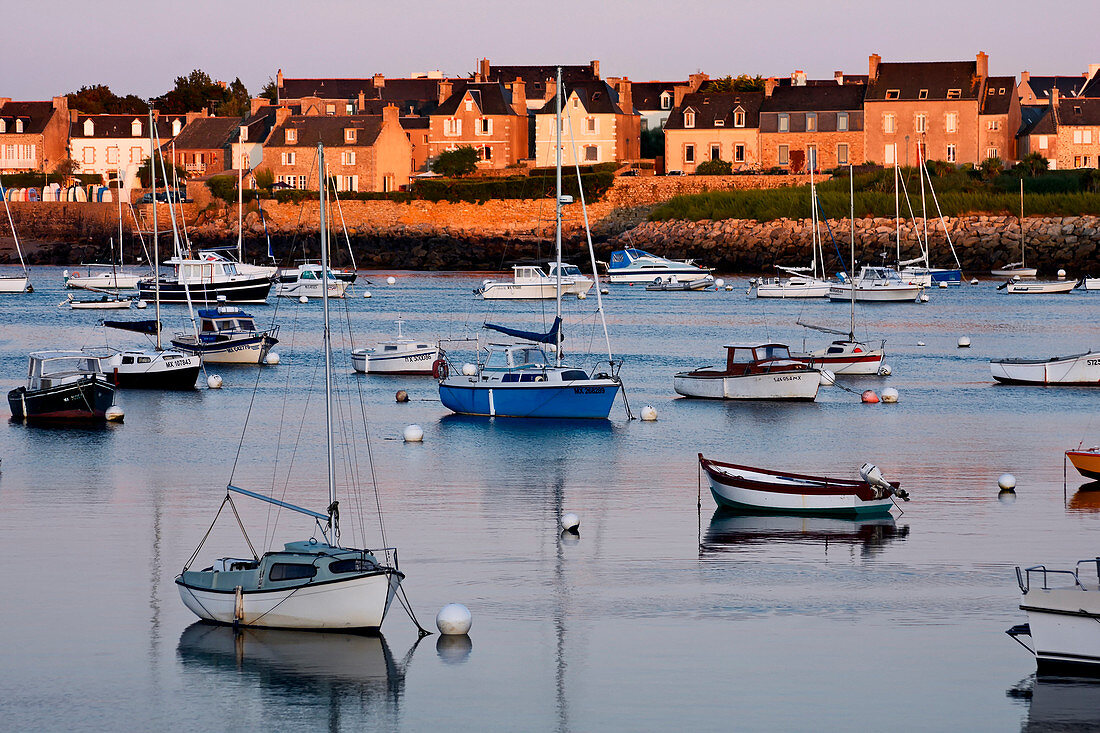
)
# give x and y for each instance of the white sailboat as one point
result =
(313, 584)
(926, 275)
(111, 276)
(14, 283)
(801, 282)
(1018, 269)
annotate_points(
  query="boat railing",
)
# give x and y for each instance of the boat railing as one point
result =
(1023, 576)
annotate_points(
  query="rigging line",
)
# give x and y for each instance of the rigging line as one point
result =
(358, 477)
(205, 536)
(240, 524)
(282, 420)
(403, 599)
(248, 414)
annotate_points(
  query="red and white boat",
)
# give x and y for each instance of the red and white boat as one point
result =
(747, 488)
(845, 357)
(752, 372)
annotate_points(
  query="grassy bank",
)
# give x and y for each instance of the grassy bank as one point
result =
(960, 192)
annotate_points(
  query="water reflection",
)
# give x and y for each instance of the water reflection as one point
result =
(454, 648)
(1087, 499)
(1059, 703)
(729, 531)
(330, 671)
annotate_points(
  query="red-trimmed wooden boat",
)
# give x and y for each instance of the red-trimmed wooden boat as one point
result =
(747, 488)
(1086, 461)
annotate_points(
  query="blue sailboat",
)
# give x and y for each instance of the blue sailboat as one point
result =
(520, 380)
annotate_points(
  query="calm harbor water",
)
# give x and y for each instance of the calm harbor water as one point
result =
(660, 615)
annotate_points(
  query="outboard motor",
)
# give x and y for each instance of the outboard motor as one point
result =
(869, 472)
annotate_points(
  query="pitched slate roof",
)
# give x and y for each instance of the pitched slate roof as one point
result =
(647, 94)
(415, 123)
(420, 93)
(1036, 120)
(208, 133)
(937, 77)
(997, 95)
(1092, 88)
(1079, 112)
(325, 88)
(35, 116)
(1068, 86)
(822, 98)
(121, 126)
(491, 98)
(596, 96)
(328, 129)
(711, 106)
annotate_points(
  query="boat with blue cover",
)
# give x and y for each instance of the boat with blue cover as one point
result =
(637, 266)
(228, 335)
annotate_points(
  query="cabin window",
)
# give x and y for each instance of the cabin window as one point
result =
(144, 360)
(207, 325)
(742, 356)
(570, 374)
(510, 378)
(497, 360)
(127, 360)
(533, 378)
(291, 571)
(390, 347)
(353, 565)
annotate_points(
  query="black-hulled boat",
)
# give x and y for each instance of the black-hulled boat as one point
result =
(154, 368)
(63, 385)
(207, 282)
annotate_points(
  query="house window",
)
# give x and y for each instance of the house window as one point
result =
(689, 119)
(469, 105)
(842, 121)
(666, 100)
(739, 118)
(991, 153)
(287, 158)
(136, 155)
(689, 153)
(889, 125)
(842, 154)
(784, 123)
(893, 93)
(291, 136)
(951, 122)
(1077, 137)
(484, 126)
(1078, 161)
(349, 135)
(1042, 142)
(951, 153)
(993, 125)
(715, 152)
(739, 153)
(452, 127)
(591, 153)
(19, 123)
(1086, 137)
(112, 155)
(920, 121)
(888, 153)
(954, 93)
(3, 127)
(922, 94)
(811, 122)
(784, 155)
(349, 109)
(87, 156)
(486, 152)
(347, 157)
(301, 183)
(330, 109)
(590, 125)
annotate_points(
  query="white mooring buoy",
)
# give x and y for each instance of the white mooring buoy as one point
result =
(1061, 274)
(582, 296)
(272, 359)
(142, 305)
(828, 378)
(1007, 482)
(570, 522)
(414, 434)
(604, 291)
(943, 285)
(649, 413)
(729, 288)
(885, 370)
(973, 281)
(366, 293)
(964, 342)
(114, 414)
(920, 343)
(214, 381)
(719, 283)
(454, 619)
(890, 395)
(303, 299)
(391, 280)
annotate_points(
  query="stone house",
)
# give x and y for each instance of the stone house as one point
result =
(418, 130)
(598, 126)
(1036, 90)
(822, 122)
(117, 144)
(714, 126)
(34, 136)
(1066, 133)
(204, 145)
(999, 119)
(931, 103)
(1039, 134)
(486, 116)
(654, 100)
(363, 152)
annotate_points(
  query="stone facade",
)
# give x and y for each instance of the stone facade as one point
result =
(34, 136)
(488, 117)
(714, 125)
(598, 126)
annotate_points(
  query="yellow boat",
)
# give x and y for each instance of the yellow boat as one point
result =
(1087, 462)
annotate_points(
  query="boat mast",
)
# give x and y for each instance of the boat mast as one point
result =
(923, 210)
(118, 194)
(240, 194)
(814, 224)
(557, 220)
(897, 203)
(326, 344)
(852, 258)
(15, 235)
(1021, 223)
(156, 244)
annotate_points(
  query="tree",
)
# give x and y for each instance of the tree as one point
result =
(1032, 164)
(714, 168)
(743, 83)
(197, 90)
(99, 99)
(269, 91)
(265, 178)
(65, 168)
(238, 104)
(455, 163)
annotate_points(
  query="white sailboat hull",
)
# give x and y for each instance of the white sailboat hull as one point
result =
(17, 284)
(354, 604)
(1064, 626)
(812, 289)
(876, 294)
(802, 385)
(522, 291)
(106, 281)
(1082, 369)
(1038, 288)
(415, 361)
(310, 289)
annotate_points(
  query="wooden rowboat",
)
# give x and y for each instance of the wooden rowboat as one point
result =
(1087, 462)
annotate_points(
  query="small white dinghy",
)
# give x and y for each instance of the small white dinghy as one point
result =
(1036, 287)
(1063, 617)
(1076, 369)
(397, 356)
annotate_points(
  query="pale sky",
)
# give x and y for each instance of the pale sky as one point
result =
(141, 47)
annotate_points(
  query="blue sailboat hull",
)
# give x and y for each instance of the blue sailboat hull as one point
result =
(570, 400)
(951, 277)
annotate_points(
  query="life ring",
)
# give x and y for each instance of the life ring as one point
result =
(75, 273)
(439, 369)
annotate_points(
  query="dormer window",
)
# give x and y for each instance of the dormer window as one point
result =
(349, 134)
(719, 123)
(784, 123)
(89, 128)
(3, 126)
(1001, 90)
(135, 129)
(992, 91)
(1076, 109)
(469, 105)
(19, 125)
(954, 93)
(706, 100)
(689, 118)
(922, 94)
(291, 136)
(739, 118)
(893, 93)
(666, 100)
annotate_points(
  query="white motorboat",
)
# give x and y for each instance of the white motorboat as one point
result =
(1089, 283)
(396, 356)
(1073, 370)
(531, 283)
(1035, 287)
(110, 279)
(14, 283)
(752, 372)
(637, 266)
(876, 285)
(107, 301)
(675, 284)
(306, 280)
(228, 335)
(573, 281)
(242, 268)
(1063, 617)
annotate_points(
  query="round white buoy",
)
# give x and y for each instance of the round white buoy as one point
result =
(391, 280)
(604, 291)
(869, 397)
(923, 298)
(1006, 497)
(920, 343)
(454, 619)
(828, 378)
(142, 305)
(582, 296)
(885, 370)
(719, 283)
(469, 370)
(303, 299)
(1061, 274)
(401, 396)
(1015, 278)
(649, 413)
(973, 281)
(943, 285)
(114, 414)
(414, 434)
(214, 381)
(570, 521)
(729, 288)
(1007, 482)
(272, 359)
(964, 342)
(366, 293)
(890, 395)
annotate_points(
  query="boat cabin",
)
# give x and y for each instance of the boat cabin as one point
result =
(507, 363)
(879, 276)
(194, 272)
(310, 273)
(745, 359)
(53, 368)
(567, 270)
(527, 274)
(224, 320)
(311, 562)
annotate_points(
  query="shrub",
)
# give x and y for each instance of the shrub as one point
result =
(714, 168)
(991, 168)
(455, 163)
(223, 187)
(265, 178)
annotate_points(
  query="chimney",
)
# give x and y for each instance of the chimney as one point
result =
(443, 91)
(483, 69)
(74, 116)
(626, 95)
(1054, 97)
(839, 77)
(61, 103)
(519, 96)
(769, 85)
(983, 64)
(379, 81)
(1025, 76)
(282, 114)
(361, 102)
(798, 78)
(595, 69)
(696, 81)
(278, 85)
(872, 67)
(391, 115)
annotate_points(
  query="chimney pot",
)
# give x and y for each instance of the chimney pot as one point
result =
(983, 64)
(872, 67)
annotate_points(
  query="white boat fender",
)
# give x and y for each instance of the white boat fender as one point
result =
(719, 283)
(303, 299)
(469, 370)
(827, 378)
(885, 370)
(142, 305)
(214, 381)
(272, 359)
(366, 293)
